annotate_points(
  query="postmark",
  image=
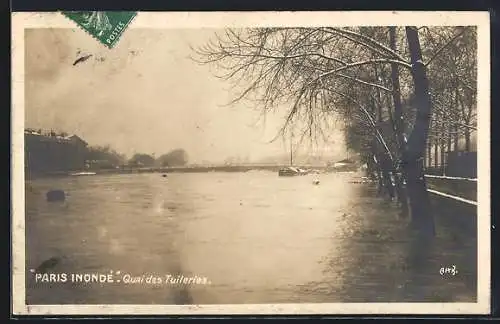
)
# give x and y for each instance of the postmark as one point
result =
(105, 26)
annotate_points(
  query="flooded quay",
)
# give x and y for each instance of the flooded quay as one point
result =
(233, 238)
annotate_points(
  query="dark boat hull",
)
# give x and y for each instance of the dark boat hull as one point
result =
(287, 174)
(291, 172)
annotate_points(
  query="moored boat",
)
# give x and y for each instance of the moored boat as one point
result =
(82, 173)
(291, 171)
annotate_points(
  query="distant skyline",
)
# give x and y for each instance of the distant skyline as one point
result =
(144, 96)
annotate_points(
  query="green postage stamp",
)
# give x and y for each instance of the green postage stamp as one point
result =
(106, 26)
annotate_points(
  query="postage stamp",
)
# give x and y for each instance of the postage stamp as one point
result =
(106, 26)
(250, 163)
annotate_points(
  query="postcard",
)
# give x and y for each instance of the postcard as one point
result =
(321, 162)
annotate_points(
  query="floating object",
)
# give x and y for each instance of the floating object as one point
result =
(48, 264)
(56, 195)
(164, 175)
(291, 171)
(83, 173)
(315, 182)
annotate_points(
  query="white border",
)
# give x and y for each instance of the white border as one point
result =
(157, 20)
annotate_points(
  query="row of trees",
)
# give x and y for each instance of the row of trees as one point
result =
(392, 90)
(107, 157)
(177, 157)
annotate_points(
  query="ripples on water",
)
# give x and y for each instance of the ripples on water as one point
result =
(257, 237)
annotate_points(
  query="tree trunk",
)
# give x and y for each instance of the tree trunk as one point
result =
(377, 167)
(448, 149)
(420, 206)
(384, 158)
(398, 126)
(370, 167)
(467, 140)
(380, 176)
(429, 153)
(441, 149)
(386, 172)
(436, 155)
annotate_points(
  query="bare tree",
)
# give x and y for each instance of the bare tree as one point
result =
(453, 77)
(353, 75)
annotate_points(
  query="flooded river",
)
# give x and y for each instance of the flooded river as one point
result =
(226, 238)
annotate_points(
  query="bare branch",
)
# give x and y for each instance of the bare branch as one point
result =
(451, 41)
(370, 119)
(379, 48)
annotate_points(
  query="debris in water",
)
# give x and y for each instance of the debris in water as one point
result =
(48, 264)
(316, 182)
(56, 195)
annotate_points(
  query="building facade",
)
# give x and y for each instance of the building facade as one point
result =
(51, 152)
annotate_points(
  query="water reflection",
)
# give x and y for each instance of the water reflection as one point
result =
(255, 238)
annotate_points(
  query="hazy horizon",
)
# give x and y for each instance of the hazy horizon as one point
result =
(145, 96)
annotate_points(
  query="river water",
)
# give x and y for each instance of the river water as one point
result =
(248, 237)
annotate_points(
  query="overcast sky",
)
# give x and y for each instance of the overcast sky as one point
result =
(145, 95)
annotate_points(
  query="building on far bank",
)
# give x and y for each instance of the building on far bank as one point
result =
(51, 152)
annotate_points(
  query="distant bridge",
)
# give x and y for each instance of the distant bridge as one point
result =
(221, 168)
(190, 169)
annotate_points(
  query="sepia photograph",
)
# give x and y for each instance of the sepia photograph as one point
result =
(231, 163)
